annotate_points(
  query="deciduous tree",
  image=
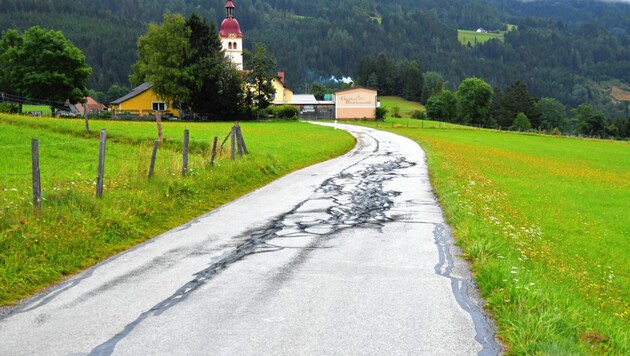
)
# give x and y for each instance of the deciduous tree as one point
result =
(433, 84)
(590, 121)
(262, 70)
(553, 114)
(164, 53)
(521, 123)
(475, 99)
(43, 65)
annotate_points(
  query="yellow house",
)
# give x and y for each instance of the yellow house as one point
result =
(141, 101)
(283, 93)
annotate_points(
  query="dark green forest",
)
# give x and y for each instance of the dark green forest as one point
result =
(573, 51)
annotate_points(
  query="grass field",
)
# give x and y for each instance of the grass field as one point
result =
(44, 109)
(406, 108)
(74, 230)
(466, 37)
(544, 221)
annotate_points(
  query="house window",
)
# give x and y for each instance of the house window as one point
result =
(158, 106)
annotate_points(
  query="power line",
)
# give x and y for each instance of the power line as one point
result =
(17, 99)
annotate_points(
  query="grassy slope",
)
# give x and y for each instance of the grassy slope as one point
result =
(75, 230)
(406, 107)
(544, 221)
(465, 37)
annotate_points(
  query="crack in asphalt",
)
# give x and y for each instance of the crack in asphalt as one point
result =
(484, 331)
(356, 199)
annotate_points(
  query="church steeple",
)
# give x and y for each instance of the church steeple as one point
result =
(229, 10)
(231, 36)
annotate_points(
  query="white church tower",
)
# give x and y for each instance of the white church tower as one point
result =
(232, 37)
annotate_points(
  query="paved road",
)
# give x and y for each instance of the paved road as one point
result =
(350, 256)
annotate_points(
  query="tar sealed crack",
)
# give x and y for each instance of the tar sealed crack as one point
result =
(354, 198)
(461, 286)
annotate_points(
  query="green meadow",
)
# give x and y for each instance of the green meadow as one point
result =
(405, 107)
(544, 221)
(467, 37)
(44, 109)
(74, 230)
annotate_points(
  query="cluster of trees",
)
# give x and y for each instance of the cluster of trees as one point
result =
(42, 65)
(476, 103)
(588, 42)
(392, 77)
(184, 61)
(586, 45)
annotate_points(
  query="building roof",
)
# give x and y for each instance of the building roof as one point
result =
(92, 105)
(357, 87)
(303, 99)
(134, 92)
(228, 26)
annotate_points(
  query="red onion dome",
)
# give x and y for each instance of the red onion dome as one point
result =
(230, 25)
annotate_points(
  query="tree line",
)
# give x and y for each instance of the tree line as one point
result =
(315, 39)
(476, 103)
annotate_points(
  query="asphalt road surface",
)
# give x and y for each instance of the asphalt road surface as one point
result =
(350, 256)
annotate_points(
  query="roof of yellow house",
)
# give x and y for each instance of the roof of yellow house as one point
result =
(134, 92)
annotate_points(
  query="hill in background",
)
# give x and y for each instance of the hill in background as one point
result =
(563, 49)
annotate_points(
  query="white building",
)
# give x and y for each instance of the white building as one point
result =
(232, 37)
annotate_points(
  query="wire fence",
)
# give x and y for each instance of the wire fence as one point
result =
(144, 163)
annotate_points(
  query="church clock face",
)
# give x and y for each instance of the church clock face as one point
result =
(232, 35)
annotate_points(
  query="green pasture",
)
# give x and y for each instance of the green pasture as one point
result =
(466, 37)
(406, 107)
(544, 221)
(74, 230)
(44, 109)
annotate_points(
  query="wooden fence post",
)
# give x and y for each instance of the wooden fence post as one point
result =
(185, 154)
(158, 121)
(153, 156)
(214, 149)
(85, 111)
(101, 164)
(233, 143)
(239, 142)
(37, 184)
(242, 141)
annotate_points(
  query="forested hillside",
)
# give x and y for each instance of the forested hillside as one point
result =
(575, 51)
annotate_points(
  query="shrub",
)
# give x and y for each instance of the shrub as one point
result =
(521, 123)
(9, 108)
(395, 111)
(419, 114)
(556, 132)
(380, 113)
(286, 112)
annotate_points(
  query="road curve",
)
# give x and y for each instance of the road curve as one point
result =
(350, 256)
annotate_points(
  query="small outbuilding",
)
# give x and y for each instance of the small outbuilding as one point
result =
(356, 103)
